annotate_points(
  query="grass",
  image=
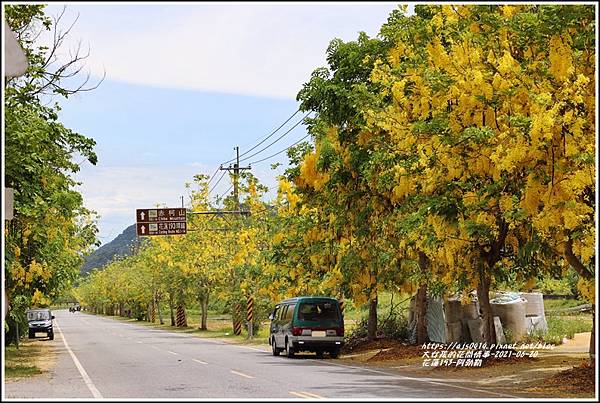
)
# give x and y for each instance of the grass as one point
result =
(385, 299)
(560, 327)
(557, 304)
(22, 363)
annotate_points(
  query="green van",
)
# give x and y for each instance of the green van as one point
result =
(307, 324)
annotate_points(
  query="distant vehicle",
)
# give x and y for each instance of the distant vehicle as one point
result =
(40, 321)
(307, 324)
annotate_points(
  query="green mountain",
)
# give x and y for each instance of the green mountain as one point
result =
(122, 245)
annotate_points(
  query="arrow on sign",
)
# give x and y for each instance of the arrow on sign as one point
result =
(142, 215)
(143, 227)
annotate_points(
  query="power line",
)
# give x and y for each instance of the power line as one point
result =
(225, 192)
(277, 153)
(215, 185)
(279, 138)
(212, 176)
(265, 139)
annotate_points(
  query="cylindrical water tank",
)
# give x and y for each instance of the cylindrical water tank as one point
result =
(535, 304)
(512, 316)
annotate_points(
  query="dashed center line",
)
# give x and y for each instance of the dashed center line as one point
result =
(240, 374)
(199, 361)
(172, 352)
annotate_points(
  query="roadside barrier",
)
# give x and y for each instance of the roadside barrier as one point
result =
(237, 323)
(249, 315)
(152, 312)
(180, 319)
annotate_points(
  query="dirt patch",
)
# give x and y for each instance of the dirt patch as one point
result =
(362, 345)
(398, 353)
(490, 362)
(547, 375)
(34, 357)
(578, 381)
(381, 351)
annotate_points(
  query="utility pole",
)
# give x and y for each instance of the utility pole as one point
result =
(236, 196)
(236, 315)
(236, 172)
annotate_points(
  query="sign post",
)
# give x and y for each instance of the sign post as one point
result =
(161, 221)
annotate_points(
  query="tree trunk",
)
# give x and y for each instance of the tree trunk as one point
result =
(171, 309)
(203, 311)
(420, 313)
(584, 272)
(421, 301)
(592, 337)
(372, 321)
(17, 336)
(574, 261)
(483, 295)
(160, 318)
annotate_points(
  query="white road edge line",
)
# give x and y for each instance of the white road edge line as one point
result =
(200, 362)
(299, 394)
(250, 348)
(240, 374)
(312, 395)
(95, 392)
(422, 380)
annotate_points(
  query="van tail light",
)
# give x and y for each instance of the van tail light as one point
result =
(296, 331)
(340, 331)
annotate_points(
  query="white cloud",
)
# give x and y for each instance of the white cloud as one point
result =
(253, 49)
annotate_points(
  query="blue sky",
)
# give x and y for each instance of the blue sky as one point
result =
(187, 82)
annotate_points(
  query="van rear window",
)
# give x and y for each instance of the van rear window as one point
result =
(38, 315)
(318, 311)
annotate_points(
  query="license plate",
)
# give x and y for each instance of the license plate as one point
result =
(40, 334)
(318, 333)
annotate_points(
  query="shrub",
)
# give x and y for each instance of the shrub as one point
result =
(559, 328)
(394, 326)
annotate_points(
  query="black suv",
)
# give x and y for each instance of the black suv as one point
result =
(40, 321)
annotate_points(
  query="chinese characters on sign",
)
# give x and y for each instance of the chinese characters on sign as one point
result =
(162, 221)
(474, 354)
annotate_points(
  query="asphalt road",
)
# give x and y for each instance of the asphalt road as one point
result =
(106, 358)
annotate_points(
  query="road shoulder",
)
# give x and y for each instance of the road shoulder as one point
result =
(59, 379)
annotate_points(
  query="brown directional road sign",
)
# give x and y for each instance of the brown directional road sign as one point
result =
(161, 221)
